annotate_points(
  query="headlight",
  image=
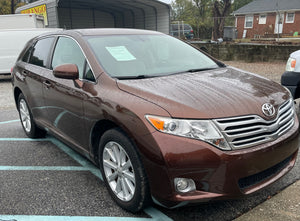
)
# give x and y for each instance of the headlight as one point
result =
(204, 130)
(291, 64)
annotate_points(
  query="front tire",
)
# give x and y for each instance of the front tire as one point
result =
(122, 171)
(28, 124)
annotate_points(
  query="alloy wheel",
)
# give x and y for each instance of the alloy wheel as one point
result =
(25, 115)
(119, 171)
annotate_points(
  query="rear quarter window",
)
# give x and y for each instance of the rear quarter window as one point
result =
(41, 51)
(26, 55)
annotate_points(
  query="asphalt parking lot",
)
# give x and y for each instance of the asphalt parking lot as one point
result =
(43, 179)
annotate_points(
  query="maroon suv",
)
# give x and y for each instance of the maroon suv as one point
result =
(163, 121)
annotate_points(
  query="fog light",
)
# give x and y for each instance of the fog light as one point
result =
(184, 185)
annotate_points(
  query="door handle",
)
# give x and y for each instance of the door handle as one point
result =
(47, 84)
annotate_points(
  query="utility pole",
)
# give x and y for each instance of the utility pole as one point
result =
(12, 7)
(278, 21)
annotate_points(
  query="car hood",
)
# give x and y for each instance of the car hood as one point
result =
(218, 93)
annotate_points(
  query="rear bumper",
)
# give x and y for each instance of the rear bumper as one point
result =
(218, 174)
(5, 73)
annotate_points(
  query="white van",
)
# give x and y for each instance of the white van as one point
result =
(12, 41)
(16, 21)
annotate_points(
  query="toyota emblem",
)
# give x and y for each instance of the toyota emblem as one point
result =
(268, 109)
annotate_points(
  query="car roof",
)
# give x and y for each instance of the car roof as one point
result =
(100, 32)
(110, 31)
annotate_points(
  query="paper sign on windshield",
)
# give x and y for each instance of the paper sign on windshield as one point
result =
(120, 53)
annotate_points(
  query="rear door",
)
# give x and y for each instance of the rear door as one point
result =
(33, 69)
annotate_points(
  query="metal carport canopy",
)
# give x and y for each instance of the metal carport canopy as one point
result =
(141, 14)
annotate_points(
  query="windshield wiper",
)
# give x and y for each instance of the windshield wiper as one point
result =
(142, 76)
(199, 69)
(193, 70)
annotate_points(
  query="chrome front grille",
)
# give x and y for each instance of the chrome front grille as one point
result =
(247, 131)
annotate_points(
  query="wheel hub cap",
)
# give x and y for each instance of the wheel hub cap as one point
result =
(119, 171)
(25, 115)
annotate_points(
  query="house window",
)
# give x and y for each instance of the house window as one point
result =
(290, 17)
(249, 21)
(262, 19)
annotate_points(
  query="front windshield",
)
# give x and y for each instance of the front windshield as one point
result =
(124, 56)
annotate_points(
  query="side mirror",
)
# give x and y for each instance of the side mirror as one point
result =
(66, 71)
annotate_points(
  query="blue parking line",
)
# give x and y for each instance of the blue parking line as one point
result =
(10, 121)
(155, 214)
(70, 152)
(70, 218)
(82, 161)
(59, 168)
(23, 139)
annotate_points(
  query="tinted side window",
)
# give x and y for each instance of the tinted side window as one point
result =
(67, 51)
(26, 54)
(41, 51)
(88, 73)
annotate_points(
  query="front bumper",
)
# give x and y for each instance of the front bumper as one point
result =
(217, 174)
(291, 80)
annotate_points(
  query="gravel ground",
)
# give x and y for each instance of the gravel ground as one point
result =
(272, 71)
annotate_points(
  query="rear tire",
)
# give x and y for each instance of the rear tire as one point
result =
(27, 121)
(123, 171)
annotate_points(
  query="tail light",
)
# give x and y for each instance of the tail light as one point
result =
(192, 31)
(11, 70)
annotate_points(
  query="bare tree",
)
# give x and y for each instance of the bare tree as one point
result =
(199, 18)
(221, 9)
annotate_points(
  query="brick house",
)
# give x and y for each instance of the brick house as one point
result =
(268, 18)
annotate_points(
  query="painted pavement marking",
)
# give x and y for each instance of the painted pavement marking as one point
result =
(155, 214)
(8, 122)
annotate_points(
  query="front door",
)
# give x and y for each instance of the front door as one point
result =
(279, 23)
(64, 97)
